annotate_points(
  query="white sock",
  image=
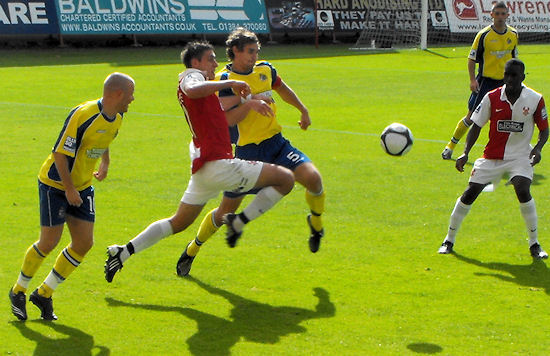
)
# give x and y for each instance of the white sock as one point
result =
(265, 199)
(150, 236)
(53, 280)
(457, 216)
(529, 213)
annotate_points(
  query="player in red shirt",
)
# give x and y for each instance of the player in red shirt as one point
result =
(512, 112)
(213, 167)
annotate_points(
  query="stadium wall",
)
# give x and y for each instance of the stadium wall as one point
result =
(165, 21)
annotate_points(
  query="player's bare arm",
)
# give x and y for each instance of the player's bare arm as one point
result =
(236, 114)
(289, 96)
(101, 172)
(471, 139)
(62, 165)
(474, 85)
(195, 89)
(535, 155)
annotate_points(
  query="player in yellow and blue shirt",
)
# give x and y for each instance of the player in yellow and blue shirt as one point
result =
(493, 46)
(255, 127)
(259, 138)
(66, 194)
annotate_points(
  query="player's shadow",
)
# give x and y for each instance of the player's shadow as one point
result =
(249, 320)
(76, 341)
(535, 275)
(424, 348)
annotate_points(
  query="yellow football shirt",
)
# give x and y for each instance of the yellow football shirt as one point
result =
(255, 127)
(491, 50)
(85, 136)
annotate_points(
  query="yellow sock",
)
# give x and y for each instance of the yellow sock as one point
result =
(45, 291)
(66, 263)
(460, 131)
(31, 263)
(206, 230)
(316, 204)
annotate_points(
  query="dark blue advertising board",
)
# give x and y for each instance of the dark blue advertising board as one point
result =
(28, 17)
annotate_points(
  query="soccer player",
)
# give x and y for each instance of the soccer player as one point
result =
(66, 193)
(493, 46)
(213, 167)
(260, 138)
(512, 110)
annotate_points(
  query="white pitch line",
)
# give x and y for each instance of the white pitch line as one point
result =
(341, 132)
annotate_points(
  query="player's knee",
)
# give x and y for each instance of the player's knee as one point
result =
(313, 181)
(471, 193)
(286, 180)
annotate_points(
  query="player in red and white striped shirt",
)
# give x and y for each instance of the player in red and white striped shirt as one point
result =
(512, 112)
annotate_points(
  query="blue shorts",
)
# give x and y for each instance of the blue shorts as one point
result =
(276, 149)
(54, 205)
(485, 86)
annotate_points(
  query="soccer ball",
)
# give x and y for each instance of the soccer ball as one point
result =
(396, 139)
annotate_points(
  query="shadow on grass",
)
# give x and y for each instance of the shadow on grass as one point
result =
(534, 276)
(251, 320)
(77, 342)
(424, 348)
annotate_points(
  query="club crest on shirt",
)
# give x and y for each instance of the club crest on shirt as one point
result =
(263, 77)
(509, 126)
(525, 110)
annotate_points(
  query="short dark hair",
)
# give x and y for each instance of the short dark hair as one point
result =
(516, 62)
(499, 5)
(194, 49)
(239, 37)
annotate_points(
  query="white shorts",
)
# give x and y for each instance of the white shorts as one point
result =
(233, 175)
(487, 171)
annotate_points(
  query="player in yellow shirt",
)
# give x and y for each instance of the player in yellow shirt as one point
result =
(66, 193)
(493, 46)
(259, 138)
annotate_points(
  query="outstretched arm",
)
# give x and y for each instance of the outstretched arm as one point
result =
(195, 89)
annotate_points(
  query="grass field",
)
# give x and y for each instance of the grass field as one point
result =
(377, 285)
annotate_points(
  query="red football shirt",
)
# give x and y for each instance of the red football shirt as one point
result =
(207, 123)
(511, 126)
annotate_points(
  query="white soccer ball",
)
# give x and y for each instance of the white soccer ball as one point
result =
(396, 139)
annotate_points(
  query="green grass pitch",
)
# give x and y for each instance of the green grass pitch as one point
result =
(376, 287)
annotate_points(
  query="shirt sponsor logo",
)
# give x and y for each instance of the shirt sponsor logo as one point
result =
(509, 126)
(95, 153)
(70, 144)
